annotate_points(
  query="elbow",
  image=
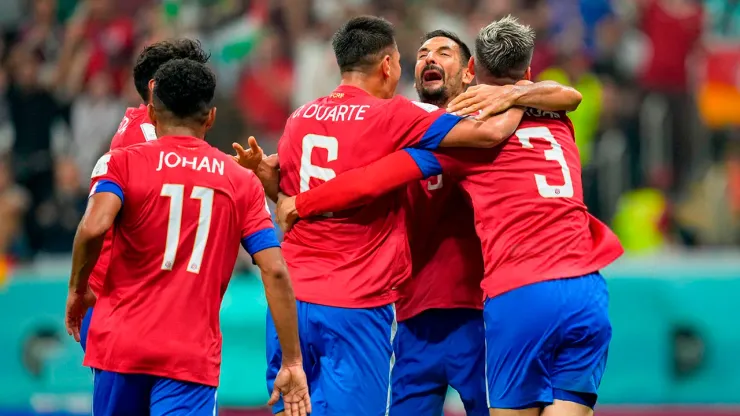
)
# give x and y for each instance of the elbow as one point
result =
(574, 99)
(91, 229)
(275, 272)
(496, 134)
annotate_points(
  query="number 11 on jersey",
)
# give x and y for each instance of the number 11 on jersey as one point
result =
(176, 195)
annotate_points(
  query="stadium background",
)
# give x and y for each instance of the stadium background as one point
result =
(658, 132)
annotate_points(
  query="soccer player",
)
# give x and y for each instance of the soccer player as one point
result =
(136, 128)
(439, 311)
(346, 270)
(181, 208)
(547, 329)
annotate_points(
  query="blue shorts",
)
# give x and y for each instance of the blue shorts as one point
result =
(347, 356)
(547, 341)
(84, 328)
(434, 350)
(116, 394)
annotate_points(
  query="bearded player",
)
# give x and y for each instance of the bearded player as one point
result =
(137, 128)
(440, 318)
(547, 329)
(346, 270)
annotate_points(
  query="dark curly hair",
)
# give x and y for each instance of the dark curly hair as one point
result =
(361, 41)
(156, 54)
(185, 88)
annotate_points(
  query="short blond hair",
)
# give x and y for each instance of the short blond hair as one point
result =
(505, 47)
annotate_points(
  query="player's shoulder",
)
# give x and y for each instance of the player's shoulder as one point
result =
(543, 116)
(135, 127)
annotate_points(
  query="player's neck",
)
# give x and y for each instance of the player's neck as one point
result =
(180, 131)
(363, 82)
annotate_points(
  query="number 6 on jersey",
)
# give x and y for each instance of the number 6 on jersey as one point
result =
(176, 194)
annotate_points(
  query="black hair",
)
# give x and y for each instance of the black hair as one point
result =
(359, 43)
(465, 53)
(157, 54)
(185, 88)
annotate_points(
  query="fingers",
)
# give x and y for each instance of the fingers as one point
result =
(467, 106)
(240, 151)
(274, 397)
(457, 104)
(253, 145)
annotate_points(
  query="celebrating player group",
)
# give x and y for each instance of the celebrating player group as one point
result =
(432, 244)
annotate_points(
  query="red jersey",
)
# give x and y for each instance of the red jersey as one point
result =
(528, 203)
(357, 258)
(135, 128)
(186, 207)
(526, 195)
(445, 251)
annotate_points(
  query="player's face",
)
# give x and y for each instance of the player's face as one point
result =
(440, 73)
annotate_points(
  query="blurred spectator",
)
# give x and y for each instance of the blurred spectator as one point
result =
(42, 34)
(59, 215)
(94, 116)
(673, 29)
(13, 204)
(265, 87)
(33, 112)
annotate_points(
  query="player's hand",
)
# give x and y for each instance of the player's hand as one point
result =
(286, 213)
(248, 158)
(488, 99)
(292, 384)
(75, 312)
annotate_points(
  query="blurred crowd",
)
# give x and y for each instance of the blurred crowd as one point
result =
(658, 131)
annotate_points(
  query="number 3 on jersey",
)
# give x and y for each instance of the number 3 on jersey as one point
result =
(555, 153)
(176, 193)
(309, 170)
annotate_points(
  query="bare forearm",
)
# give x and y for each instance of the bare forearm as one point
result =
(280, 298)
(85, 253)
(547, 95)
(270, 178)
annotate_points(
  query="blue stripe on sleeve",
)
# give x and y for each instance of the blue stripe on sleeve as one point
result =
(427, 162)
(260, 240)
(107, 186)
(438, 130)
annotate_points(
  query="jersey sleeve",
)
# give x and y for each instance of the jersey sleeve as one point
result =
(258, 231)
(110, 174)
(420, 125)
(360, 186)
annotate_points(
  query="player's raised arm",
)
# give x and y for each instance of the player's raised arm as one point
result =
(360, 186)
(490, 100)
(106, 200)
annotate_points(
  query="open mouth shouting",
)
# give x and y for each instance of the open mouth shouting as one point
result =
(432, 77)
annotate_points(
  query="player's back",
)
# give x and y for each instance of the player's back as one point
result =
(175, 245)
(135, 128)
(358, 257)
(528, 201)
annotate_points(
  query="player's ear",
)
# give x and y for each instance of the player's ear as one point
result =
(151, 90)
(152, 114)
(211, 118)
(528, 74)
(385, 66)
(471, 66)
(468, 75)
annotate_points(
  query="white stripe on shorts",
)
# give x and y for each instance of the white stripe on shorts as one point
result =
(394, 329)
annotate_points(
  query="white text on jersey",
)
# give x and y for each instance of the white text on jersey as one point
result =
(341, 112)
(173, 160)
